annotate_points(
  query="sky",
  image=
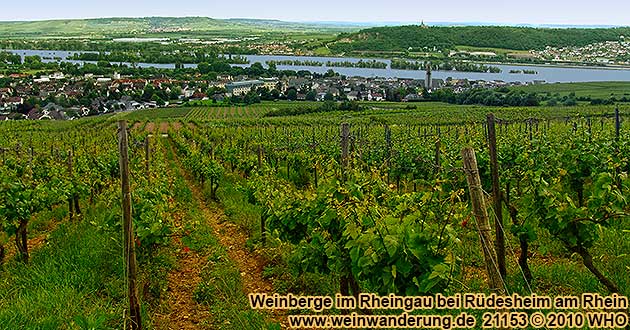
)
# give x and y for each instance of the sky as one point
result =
(601, 12)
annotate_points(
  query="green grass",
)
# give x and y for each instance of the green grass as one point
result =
(234, 201)
(233, 197)
(220, 288)
(423, 113)
(600, 90)
(150, 114)
(498, 51)
(74, 282)
(322, 51)
(239, 111)
(163, 27)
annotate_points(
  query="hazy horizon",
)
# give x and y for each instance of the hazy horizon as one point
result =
(341, 23)
(495, 12)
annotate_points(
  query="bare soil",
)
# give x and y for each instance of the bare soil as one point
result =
(183, 311)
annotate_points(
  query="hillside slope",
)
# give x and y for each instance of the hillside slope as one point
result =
(401, 38)
(155, 25)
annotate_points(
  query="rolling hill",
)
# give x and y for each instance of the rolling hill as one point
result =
(401, 38)
(157, 26)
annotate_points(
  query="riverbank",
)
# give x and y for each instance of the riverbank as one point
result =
(550, 72)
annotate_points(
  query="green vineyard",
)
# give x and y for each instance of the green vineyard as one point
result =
(226, 201)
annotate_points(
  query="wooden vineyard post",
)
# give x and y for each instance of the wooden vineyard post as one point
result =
(345, 138)
(313, 147)
(70, 175)
(481, 219)
(388, 148)
(617, 129)
(75, 195)
(438, 163)
(496, 194)
(263, 230)
(315, 175)
(147, 158)
(129, 248)
(30, 159)
(617, 123)
(288, 167)
(344, 280)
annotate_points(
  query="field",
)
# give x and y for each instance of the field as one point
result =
(152, 114)
(498, 51)
(426, 113)
(156, 27)
(209, 112)
(242, 111)
(600, 90)
(227, 201)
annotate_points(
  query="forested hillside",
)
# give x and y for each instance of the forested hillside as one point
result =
(518, 38)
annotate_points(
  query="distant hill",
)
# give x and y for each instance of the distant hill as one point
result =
(156, 25)
(400, 38)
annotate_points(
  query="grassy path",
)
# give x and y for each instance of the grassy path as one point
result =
(203, 292)
(182, 311)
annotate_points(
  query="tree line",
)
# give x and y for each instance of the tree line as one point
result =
(403, 38)
(327, 106)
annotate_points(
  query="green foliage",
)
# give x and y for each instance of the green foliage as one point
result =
(401, 38)
(327, 106)
(488, 97)
(356, 227)
(162, 26)
(444, 65)
(20, 200)
(56, 290)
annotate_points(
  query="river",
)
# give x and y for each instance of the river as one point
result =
(544, 73)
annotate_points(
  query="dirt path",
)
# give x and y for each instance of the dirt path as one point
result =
(164, 127)
(34, 243)
(137, 125)
(177, 125)
(185, 312)
(234, 240)
(150, 127)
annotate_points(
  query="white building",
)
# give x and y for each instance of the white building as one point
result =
(242, 87)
